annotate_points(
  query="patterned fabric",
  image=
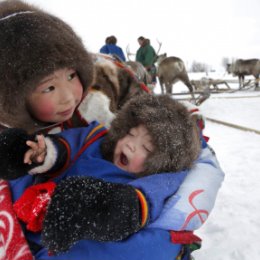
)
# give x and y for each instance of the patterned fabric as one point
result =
(13, 245)
(195, 198)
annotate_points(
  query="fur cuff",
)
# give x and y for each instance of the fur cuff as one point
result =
(50, 158)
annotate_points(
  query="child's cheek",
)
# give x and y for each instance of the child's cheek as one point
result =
(45, 111)
(137, 164)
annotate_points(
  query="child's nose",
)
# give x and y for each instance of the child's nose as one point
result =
(66, 94)
(131, 146)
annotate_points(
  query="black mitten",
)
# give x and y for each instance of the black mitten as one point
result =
(12, 149)
(88, 208)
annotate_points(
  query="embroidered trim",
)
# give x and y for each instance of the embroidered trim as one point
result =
(92, 137)
(144, 207)
(66, 165)
(90, 141)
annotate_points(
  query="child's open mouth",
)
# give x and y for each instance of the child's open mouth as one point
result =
(123, 159)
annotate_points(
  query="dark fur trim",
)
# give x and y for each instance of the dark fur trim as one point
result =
(32, 46)
(172, 129)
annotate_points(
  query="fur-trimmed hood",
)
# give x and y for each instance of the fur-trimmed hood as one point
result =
(174, 133)
(33, 44)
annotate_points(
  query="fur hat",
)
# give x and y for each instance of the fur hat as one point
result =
(172, 129)
(33, 44)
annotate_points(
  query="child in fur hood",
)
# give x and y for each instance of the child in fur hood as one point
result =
(46, 73)
(40, 55)
(134, 144)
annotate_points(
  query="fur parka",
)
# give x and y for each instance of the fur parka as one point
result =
(33, 44)
(173, 131)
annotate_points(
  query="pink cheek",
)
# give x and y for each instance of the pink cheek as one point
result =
(45, 112)
(136, 165)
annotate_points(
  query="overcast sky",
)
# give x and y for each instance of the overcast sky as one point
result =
(201, 30)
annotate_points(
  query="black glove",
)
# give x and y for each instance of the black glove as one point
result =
(88, 208)
(12, 149)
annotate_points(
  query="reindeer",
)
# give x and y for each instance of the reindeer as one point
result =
(169, 71)
(242, 68)
(140, 72)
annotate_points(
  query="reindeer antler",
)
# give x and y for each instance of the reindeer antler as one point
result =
(128, 53)
(160, 45)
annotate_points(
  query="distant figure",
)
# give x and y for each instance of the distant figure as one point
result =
(111, 48)
(146, 55)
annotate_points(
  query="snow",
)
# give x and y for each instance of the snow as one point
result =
(234, 225)
(232, 231)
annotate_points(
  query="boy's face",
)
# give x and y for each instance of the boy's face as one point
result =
(54, 100)
(132, 150)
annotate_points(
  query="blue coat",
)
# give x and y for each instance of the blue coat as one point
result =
(149, 243)
(170, 208)
(113, 49)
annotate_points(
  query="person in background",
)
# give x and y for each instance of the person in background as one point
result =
(146, 55)
(112, 48)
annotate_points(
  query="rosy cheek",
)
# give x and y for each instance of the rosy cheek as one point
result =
(45, 111)
(137, 165)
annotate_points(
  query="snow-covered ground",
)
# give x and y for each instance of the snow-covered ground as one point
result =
(232, 231)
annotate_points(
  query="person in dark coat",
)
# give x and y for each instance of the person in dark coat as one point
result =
(146, 55)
